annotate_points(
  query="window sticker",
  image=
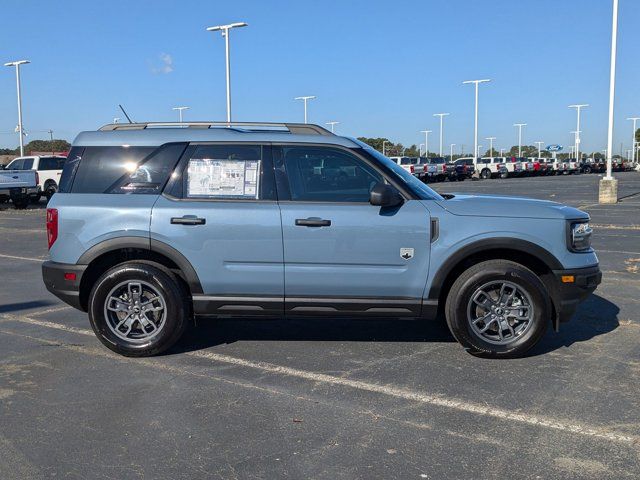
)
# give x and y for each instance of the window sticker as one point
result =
(223, 178)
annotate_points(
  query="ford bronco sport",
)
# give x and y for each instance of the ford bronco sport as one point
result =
(156, 223)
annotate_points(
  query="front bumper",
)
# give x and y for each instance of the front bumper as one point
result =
(53, 275)
(568, 295)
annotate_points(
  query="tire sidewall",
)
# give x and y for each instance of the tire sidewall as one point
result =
(174, 303)
(521, 277)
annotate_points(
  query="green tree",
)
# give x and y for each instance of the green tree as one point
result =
(47, 146)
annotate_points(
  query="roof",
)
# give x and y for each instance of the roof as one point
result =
(155, 134)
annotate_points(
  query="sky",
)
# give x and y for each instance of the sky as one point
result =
(380, 68)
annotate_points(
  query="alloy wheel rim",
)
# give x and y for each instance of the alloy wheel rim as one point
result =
(135, 311)
(500, 312)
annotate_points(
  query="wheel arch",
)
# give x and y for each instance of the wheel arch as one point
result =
(109, 253)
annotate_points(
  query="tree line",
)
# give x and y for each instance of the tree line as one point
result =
(39, 146)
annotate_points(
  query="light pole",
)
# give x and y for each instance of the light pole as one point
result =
(180, 109)
(608, 185)
(576, 134)
(333, 124)
(384, 143)
(116, 119)
(224, 29)
(491, 139)
(479, 147)
(519, 125)
(426, 141)
(476, 82)
(305, 100)
(539, 148)
(17, 64)
(633, 140)
(502, 152)
(578, 108)
(451, 147)
(441, 115)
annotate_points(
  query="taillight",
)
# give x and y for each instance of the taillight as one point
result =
(444, 168)
(37, 178)
(412, 169)
(52, 226)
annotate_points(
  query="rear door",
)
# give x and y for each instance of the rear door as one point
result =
(342, 254)
(220, 212)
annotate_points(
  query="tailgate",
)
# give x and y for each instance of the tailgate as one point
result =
(17, 179)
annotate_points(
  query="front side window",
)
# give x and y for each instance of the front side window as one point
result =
(321, 174)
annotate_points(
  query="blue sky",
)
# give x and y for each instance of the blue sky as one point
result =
(381, 68)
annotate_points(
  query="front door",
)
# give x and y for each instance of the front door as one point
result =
(220, 212)
(342, 254)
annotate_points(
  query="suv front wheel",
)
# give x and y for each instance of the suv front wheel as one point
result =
(138, 309)
(498, 308)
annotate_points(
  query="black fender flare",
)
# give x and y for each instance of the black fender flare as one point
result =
(519, 245)
(152, 245)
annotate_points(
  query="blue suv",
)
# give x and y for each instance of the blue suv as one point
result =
(154, 224)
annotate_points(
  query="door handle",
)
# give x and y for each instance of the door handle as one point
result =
(188, 220)
(312, 222)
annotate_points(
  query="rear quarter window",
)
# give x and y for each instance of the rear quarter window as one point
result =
(112, 170)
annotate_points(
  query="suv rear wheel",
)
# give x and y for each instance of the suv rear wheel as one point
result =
(498, 308)
(485, 174)
(138, 309)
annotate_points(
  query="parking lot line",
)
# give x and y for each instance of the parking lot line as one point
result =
(397, 392)
(28, 259)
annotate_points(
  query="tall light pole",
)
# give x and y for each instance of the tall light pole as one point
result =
(519, 125)
(491, 139)
(441, 115)
(502, 152)
(180, 109)
(451, 147)
(305, 100)
(17, 64)
(479, 147)
(576, 135)
(333, 124)
(578, 108)
(426, 141)
(116, 119)
(539, 148)
(633, 140)
(384, 143)
(224, 29)
(608, 185)
(475, 136)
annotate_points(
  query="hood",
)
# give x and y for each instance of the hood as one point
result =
(502, 206)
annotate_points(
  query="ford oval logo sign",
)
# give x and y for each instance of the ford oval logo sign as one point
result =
(554, 148)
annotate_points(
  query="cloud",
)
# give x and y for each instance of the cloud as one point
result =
(166, 64)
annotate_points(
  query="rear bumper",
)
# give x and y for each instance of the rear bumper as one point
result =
(568, 295)
(53, 275)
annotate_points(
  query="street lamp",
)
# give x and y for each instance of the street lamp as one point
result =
(502, 152)
(608, 185)
(384, 143)
(426, 141)
(476, 82)
(478, 150)
(633, 141)
(578, 108)
(180, 109)
(441, 115)
(17, 64)
(576, 135)
(539, 148)
(519, 125)
(491, 139)
(333, 124)
(451, 147)
(305, 100)
(224, 29)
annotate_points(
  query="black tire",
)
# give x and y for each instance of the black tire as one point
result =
(485, 174)
(20, 203)
(34, 200)
(49, 189)
(176, 308)
(460, 297)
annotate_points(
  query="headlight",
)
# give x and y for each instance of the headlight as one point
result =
(580, 236)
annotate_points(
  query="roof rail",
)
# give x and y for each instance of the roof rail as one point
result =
(294, 128)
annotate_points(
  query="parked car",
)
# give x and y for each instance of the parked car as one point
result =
(469, 162)
(551, 166)
(570, 166)
(18, 186)
(514, 167)
(456, 172)
(492, 167)
(49, 169)
(437, 169)
(408, 163)
(232, 220)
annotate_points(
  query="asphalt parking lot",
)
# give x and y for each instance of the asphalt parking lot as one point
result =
(326, 398)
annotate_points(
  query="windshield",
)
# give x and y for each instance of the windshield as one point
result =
(401, 175)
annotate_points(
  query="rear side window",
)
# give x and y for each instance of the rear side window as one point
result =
(141, 170)
(51, 163)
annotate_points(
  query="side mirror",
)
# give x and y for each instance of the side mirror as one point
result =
(383, 195)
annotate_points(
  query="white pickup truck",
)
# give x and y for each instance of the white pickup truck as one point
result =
(49, 169)
(18, 186)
